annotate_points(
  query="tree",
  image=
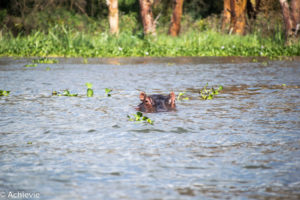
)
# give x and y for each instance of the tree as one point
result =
(226, 15)
(234, 12)
(253, 8)
(176, 17)
(238, 16)
(147, 17)
(291, 18)
(113, 16)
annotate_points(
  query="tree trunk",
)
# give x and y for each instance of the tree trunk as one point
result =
(253, 8)
(238, 15)
(147, 17)
(295, 4)
(176, 17)
(226, 16)
(291, 18)
(286, 18)
(232, 16)
(113, 16)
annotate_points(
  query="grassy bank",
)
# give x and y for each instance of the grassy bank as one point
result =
(60, 41)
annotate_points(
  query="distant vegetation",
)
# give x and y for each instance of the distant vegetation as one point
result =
(62, 41)
(80, 28)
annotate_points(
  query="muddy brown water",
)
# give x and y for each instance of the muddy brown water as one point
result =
(243, 144)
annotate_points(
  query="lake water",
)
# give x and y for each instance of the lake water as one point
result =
(243, 144)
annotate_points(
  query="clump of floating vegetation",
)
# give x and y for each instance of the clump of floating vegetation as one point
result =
(209, 93)
(89, 91)
(139, 117)
(66, 93)
(182, 96)
(4, 93)
(107, 92)
(31, 65)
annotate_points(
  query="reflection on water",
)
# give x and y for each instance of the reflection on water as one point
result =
(244, 144)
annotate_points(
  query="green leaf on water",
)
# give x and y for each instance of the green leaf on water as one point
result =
(90, 92)
(89, 85)
(150, 121)
(4, 93)
(181, 96)
(209, 93)
(31, 65)
(138, 117)
(107, 92)
(140, 114)
(64, 93)
(210, 97)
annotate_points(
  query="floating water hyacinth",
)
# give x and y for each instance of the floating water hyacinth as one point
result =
(89, 91)
(138, 117)
(208, 94)
(108, 91)
(181, 96)
(66, 93)
(4, 93)
(31, 65)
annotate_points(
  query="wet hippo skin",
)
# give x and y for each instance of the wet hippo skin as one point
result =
(156, 103)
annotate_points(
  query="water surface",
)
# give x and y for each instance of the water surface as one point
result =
(243, 144)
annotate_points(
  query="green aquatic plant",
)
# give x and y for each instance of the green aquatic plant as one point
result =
(108, 91)
(45, 61)
(284, 85)
(85, 60)
(209, 93)
(30, 65)
(89, 91)
(139, 117)
(4, 93)
(181, 96)
(66, 93)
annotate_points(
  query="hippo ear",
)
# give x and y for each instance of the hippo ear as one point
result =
(143, 96)
(172, 99)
